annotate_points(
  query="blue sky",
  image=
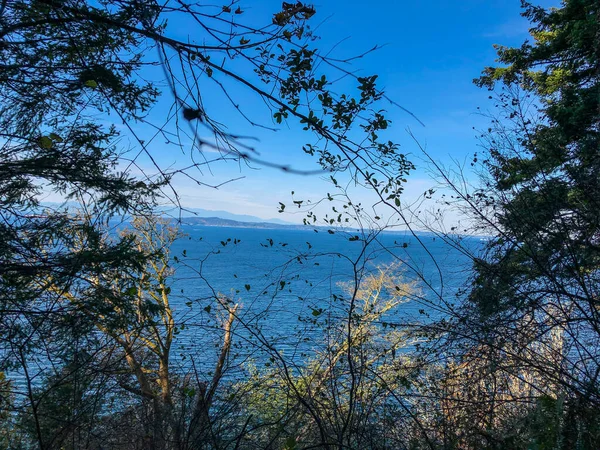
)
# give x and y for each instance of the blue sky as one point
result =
(431, 52)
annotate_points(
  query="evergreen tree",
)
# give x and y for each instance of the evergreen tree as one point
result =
(536, 289)
(57, 74)
(531, 321)
(544, 170)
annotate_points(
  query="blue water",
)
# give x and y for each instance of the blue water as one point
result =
(280, 277)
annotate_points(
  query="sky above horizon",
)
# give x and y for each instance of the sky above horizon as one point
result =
(430, 53)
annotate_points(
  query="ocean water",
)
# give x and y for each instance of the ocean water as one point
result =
(288, 284)
(285, 281)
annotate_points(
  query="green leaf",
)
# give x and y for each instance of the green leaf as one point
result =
(290, 443)
(45, 142)
(190, 392)
(131, 291)
(91, 84)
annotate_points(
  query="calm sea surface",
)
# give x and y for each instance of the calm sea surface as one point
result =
(287, 283)
(284, 279)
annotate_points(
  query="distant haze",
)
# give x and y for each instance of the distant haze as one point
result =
(198, 212)
(188, 212)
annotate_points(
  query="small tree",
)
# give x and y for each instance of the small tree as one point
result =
(137, 328)
(353, 391)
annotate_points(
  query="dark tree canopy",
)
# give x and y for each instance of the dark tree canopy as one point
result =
(545, 168)
(535, 292)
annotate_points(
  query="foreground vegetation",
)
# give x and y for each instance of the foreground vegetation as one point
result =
(87, 317)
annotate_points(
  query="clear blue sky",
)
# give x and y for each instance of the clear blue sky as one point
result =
(431, 52)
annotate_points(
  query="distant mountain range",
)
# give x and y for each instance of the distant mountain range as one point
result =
(198, 213)
(220, 222)
(210, 218)
(188, 213)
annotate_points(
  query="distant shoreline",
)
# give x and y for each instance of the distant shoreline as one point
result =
(219, 222)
